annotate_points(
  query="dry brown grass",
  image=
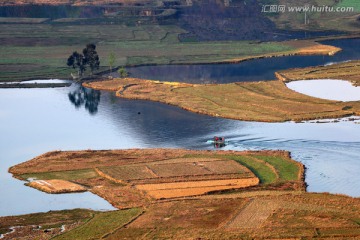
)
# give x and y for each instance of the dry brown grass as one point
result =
(173, 178)
(268, 101)
(253, 215)
(184, 189)
(318, 49)
(284, 216)
(346, 71)
(302, 47)
(56, 186)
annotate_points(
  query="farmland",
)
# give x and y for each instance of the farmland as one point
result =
(56, 186)
(231, 216)
(206, 198)
(140, 176)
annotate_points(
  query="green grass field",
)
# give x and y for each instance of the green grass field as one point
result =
(288, 170)
(101, 225)
(64, 175)
(263, 172)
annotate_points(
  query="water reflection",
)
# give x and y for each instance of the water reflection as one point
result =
(88, 98)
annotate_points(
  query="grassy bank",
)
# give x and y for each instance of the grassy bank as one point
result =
(268, 101)
(349, 71)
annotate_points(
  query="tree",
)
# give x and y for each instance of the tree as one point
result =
(122, 72)
(77, 60)
(80, 61)
(112, 60)
(91, 57)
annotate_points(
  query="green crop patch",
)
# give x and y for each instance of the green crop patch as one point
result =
(101, 225)
(64, 175)
(288, 170)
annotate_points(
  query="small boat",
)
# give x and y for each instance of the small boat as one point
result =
(219, 140)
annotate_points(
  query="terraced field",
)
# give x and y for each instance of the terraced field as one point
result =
(128, 177)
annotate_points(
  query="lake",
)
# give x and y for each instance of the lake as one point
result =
(330, 89)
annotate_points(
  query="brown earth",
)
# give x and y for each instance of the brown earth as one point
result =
(191, 188)
(56, 186)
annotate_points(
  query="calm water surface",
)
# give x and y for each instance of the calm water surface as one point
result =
(332, 89)
(34, 121)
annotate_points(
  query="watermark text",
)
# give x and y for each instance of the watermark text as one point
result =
(306, 8)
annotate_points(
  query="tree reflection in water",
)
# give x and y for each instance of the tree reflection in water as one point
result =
(88, 97)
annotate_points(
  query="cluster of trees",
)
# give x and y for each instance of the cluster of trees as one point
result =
(88, 58)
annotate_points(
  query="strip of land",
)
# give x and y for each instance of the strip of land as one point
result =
(159, 182)
(349, 71)
(269, 101)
